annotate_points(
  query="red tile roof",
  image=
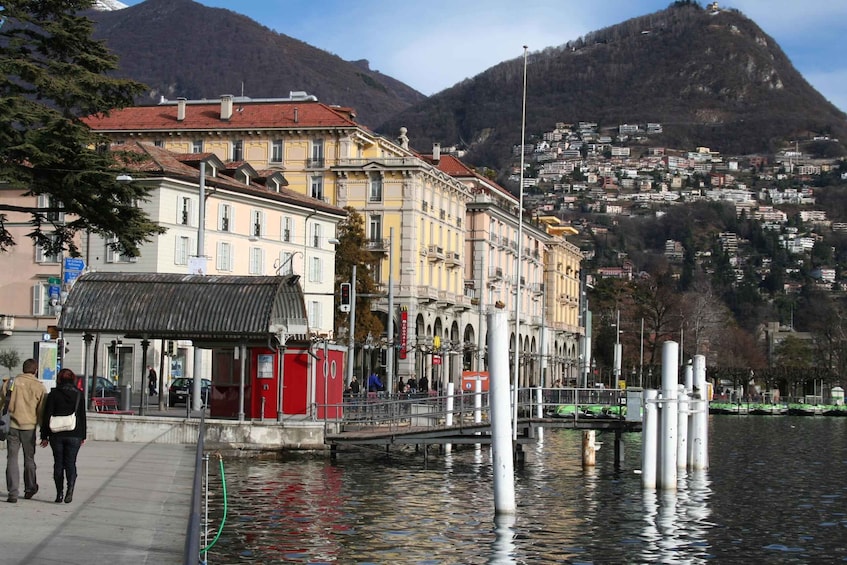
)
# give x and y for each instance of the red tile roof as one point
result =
(456, 168)
(159, 162)
(245, 115)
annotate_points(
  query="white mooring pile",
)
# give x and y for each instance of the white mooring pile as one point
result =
(675, 422)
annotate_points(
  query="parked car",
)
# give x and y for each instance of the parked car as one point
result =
(181, 388)
(101, 386)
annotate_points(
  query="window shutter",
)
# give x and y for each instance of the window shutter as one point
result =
(37, 296)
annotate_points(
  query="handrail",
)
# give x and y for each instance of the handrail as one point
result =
(395, 411)
(191, 552)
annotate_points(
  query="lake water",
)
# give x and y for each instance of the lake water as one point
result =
(775, 492)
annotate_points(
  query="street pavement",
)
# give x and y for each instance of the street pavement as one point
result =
(131, 505)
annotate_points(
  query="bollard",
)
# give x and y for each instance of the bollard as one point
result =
(449, 418)
(539, 411)
(589, 448)
(682, 426)
(668, 416)
(503, 466)
(700, 421)
(650, 440)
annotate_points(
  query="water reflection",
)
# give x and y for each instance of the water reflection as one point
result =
(774, 493)
(503, 548)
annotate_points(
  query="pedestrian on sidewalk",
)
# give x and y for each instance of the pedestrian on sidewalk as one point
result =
(64, 400)
(151, 380)
(25, 395)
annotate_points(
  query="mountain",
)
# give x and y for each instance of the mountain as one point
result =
(711, 77)
(180, 48)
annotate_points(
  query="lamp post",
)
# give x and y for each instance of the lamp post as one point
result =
(518, 260)
(351, 345)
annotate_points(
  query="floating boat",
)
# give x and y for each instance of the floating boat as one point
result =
(723, 408)
(832, 410)
(800, 409)
(761, 409)
(588, 411)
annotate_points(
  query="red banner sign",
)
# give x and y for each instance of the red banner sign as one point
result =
(404, 332)
(436, 359)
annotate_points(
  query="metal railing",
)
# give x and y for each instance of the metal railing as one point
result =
(191, 552)
(411, 410)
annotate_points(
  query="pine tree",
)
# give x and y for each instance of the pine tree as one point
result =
(52, 74)
(352, 250)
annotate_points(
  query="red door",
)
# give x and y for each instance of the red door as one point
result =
(264, 375)
(295, 379)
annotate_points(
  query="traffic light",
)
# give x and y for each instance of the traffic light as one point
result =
(345, 297)
(171, 349)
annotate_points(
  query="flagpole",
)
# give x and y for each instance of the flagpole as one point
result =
(518, 269)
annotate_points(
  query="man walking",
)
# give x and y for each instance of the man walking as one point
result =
(26, 396)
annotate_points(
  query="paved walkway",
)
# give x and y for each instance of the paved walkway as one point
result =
(131, 505)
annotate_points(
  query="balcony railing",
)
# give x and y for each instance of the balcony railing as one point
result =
(316, 163)
(435, 253)
(377, 245)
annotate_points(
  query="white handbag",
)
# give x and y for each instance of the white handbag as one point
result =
(65, 423)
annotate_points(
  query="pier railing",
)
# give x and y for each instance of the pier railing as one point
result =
(390, 411)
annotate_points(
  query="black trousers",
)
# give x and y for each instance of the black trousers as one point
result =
(65, 450)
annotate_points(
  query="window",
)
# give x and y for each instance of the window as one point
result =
(375, 194)
(184, 211)
(41, 300)
(314, 313)
(182, 251)
(225, 218)
(258, 223)
(53, 216)
(317, 188)
(224, 258)
(197, 146)
(287, 228)
(158, 143)
(315, 267)
(237, 150)
(375, 228)
(115, 256)
(316, 235)
(286, 263)
(317, 158)
(43, 255)
(257, 261)
(276, 151)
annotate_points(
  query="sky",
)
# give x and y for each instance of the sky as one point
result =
(433, 44)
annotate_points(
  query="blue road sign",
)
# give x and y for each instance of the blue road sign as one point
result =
(74, 264)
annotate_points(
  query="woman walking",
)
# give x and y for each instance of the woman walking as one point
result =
(64, 400)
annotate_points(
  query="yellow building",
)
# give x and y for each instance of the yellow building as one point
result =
(423, 200)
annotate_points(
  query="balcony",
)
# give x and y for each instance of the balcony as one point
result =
(453, 259)
(316, 163)
(538, 288)
(496, 273)
(7, 324)
(385, 161)
(377, 245)
(435, 253)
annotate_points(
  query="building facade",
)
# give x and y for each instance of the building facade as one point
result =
(455, 244)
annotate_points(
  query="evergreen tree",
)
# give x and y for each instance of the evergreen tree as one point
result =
(52, 74)
(352, 250)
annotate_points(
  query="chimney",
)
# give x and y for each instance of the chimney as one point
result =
(296, 115)
(436, 152)
(226, 106)
(180, 109)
